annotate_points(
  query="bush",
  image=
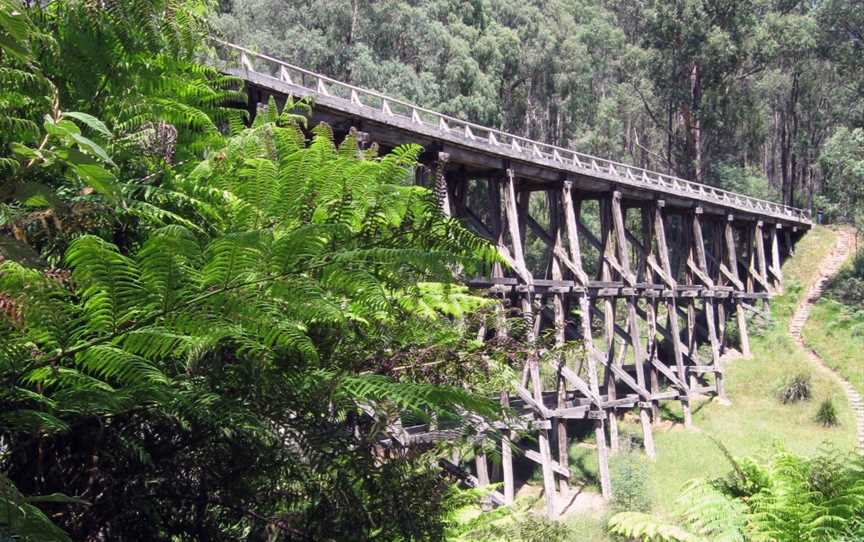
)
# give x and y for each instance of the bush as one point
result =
(847, 286)
(629, 475)
(797, 388)
(827, 414)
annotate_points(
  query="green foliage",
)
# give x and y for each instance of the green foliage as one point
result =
(843, 158)
(92, 97)
(796, 388)
(847, 286)
(629, 475)
(248, 323)
(20, 518)
(746, 181)
(467, 522)
(827, 414)
(788, 498)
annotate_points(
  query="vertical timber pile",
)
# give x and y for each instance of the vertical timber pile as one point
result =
(645, 356)
(735, 277)
(632, 320)
(672, 311)
(592, 388)
(700, 268)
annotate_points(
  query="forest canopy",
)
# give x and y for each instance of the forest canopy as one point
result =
(737, 93)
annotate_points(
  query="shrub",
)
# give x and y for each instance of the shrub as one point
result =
(797, 388)
(629, 475)
(827, 414)
(847, 286)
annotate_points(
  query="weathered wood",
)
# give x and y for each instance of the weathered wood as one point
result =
(731, 254)
(776, 264)
(570, 223)
(559, 307)
(599, 421)
(482, 468)
(609, 303)
(513, 223)
(507, 456)
(391, 122)
(442, 192)
(635, 336)
(671, 310)
(712, 278)
(708, 303)
(647, 250)
(558, 468)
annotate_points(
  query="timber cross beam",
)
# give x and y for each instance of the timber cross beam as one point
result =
(638, 268)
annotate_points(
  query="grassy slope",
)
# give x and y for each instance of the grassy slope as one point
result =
(756, 421)
(836, 333)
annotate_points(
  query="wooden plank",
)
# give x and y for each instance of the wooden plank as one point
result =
(775, 260)
(572, 233)
(570, 413)
(599, 421)
(518, 259)
(760, 256)
(704, 369)
(668, 373)
(581, 385)
(557, 467)
(733, 277)
(482, 466)
(624, 376)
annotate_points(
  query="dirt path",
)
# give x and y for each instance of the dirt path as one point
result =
(830, 266)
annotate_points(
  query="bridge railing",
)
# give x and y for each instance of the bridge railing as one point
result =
(531, 150)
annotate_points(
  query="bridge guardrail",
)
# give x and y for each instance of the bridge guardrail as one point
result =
(559, 157)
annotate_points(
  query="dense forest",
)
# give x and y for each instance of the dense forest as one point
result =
(208, 322)
(731, 93)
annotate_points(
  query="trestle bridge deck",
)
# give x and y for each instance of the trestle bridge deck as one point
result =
(641, 267)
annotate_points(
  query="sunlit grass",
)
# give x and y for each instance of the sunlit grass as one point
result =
(802, 270)
(836, 333)
(757, 421)
(754, 424)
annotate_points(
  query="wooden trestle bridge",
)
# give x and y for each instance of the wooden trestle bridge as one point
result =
(643, 268)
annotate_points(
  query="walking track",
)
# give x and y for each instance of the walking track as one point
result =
(830, 266)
